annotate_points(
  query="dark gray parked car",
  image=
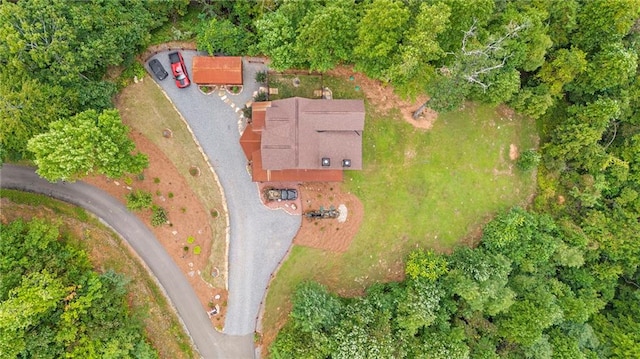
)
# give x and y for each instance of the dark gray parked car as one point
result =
(285, 194)
(158, 70)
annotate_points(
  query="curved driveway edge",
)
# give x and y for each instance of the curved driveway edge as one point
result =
(259, 237)
(208, 342)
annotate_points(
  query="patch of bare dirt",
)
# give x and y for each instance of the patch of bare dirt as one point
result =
(384, 99)
(187, 217)
(506, 112)
(513, 152)
(331, 234)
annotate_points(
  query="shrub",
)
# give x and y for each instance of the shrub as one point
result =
(528, 160)
(135, 69)
(138, 200)
(260, 97)
(196, 250)
(156, 180)
(181, 35)
(190, 239)
(159, 216)
(261, 77)
(247, 112)
(170, 194)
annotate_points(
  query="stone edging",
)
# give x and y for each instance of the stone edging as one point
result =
(224, 97)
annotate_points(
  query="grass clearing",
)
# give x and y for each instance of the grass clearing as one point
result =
(432, 189)
(292, 85)
(342, 89)
(144, 107)
(107, 251)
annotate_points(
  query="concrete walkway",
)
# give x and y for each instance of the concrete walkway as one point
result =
(259, 237)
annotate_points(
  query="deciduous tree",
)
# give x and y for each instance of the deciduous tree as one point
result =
(222, 36)
(327, 35)
(83, 144)
(379, 33)
(420, 48)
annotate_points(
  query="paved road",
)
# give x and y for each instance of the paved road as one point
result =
(208, 341)
(259, 237)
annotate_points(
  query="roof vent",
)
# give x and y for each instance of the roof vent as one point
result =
(326, 162)
(346, 162)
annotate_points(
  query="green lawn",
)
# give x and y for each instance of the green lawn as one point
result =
(430, 189)
(306, 87)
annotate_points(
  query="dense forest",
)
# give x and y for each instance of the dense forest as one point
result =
(559, 279)
(54, 81)
(54, 305)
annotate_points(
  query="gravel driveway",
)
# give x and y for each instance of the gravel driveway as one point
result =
(259, 237)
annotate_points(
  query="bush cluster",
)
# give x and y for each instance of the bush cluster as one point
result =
(159, 216)
(138, 200)
(528, 160)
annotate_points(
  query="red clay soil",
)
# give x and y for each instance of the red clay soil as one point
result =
(330, 234)
(187, 216)
(384, 99)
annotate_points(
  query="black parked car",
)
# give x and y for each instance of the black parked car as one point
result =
(286, 194)
(158, 70)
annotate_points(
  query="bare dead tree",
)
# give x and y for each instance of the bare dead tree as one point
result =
(470, 63)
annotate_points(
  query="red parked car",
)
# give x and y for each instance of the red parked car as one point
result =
(179, 70)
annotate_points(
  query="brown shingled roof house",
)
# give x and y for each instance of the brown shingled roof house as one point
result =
(217, 70)
(303, 140)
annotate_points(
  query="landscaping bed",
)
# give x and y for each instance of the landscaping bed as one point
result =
(179, 180)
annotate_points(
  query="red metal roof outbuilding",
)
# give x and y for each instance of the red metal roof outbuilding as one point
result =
(217, 70)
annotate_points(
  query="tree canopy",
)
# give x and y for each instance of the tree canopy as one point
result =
(53, 305)
(558, 279)
(502, 299)
(86, 143)
(55, 55)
